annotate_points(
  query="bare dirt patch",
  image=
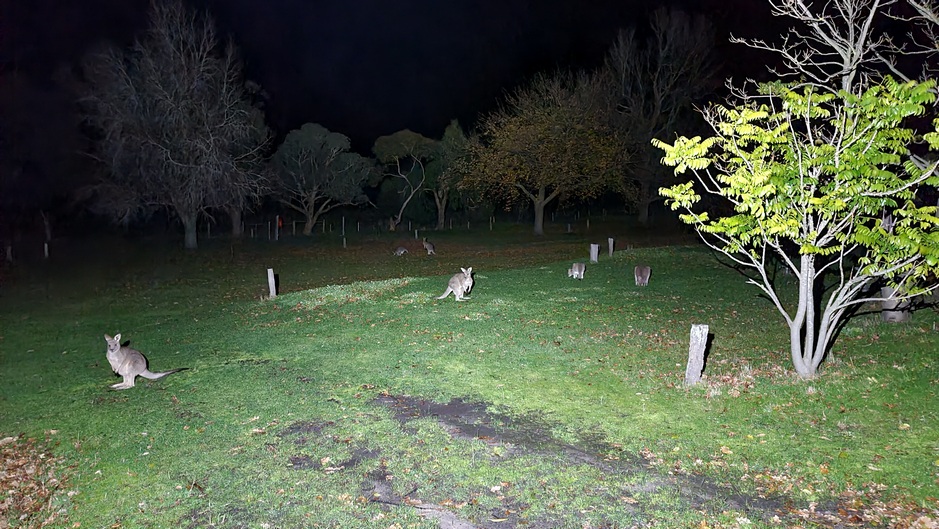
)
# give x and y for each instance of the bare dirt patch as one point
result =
(532, 434)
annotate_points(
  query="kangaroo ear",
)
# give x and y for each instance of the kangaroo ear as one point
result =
(106, 337)
(469, 270)
(117, 337)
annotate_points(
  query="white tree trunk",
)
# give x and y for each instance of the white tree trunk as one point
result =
(805, 355)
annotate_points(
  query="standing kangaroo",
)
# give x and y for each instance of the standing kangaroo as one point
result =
(129, 363)
(460, 284)
(429, 246)
(642, 274)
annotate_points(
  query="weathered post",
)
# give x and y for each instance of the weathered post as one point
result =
(271, 283)
(894, 310)
(594, 253)
(696, 349)
(609, 244)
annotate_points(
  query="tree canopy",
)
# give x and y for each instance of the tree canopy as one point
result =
(317, 172)
(820, 176)
(447, 167)
(551, 138)
(405, 155)
(656, 82)
(173, 125)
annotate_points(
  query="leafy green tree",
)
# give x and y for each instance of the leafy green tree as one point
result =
(820, 176)
(447, 166)
(405, 155)
(550, 139)
(174, 126)
(317, 172)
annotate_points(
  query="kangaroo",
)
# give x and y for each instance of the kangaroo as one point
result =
(642, 274)
(400, 250)
(129, 363)
(460, 284)
(429, 246)
(577, 270)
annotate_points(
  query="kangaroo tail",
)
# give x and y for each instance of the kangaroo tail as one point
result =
(153, 376)
(445, 294)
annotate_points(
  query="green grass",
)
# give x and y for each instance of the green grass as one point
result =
(276, 422)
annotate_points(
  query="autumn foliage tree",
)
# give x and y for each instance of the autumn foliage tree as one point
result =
(317, 172)
(549, 139)
(173, 125)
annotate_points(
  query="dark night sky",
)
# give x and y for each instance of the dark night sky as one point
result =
(368, 67)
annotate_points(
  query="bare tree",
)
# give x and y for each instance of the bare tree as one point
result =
(924, 36)
(174, 126)
(656, 83)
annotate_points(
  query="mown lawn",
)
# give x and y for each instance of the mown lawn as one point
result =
(356, 399)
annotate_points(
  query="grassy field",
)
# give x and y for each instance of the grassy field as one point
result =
(356, 399)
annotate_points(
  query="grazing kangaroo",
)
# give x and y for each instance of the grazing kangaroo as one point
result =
(460, 284)
(429, 246)
(577, 270)
(400, 250)
(642, 274)
(129, 363)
